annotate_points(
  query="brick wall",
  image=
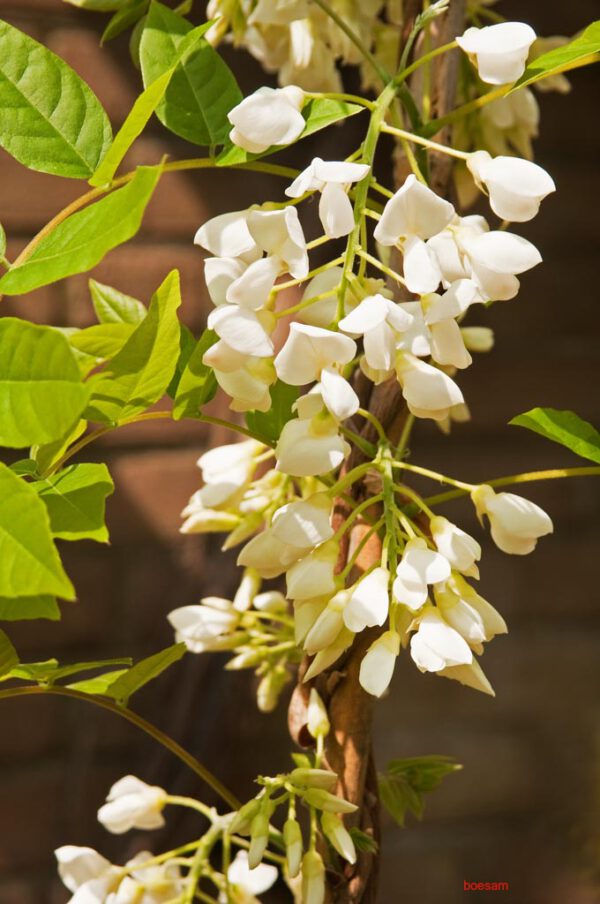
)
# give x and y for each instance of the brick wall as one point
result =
(526, 808)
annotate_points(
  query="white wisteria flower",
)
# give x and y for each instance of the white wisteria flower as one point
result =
(296, 528)
(270, 116)
(499, 51)
(246, 883)
(378, 664)
(206, 626)
(516, 187)
(461, 550)
(369, 601)
(332, 178)
(314, 575)
(245, 378)
(89, 876)
(436, 645)
(380, 322)
(414, 214)
(310, 444)
(328, 625)
(419, 567)
(429, 392)
(470, 675)
(133, 804)
(468, 613)
(516, 523)
(312, 353)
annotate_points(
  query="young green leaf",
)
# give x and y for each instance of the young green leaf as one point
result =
(51, 670)
(142, 110)
(130, 13)
(406, 781)
(198, 384)
(51, 120)
(269, 424)
(140, 373)
(76, 499)
(99, 684)
(46, 454)
(30, 562)
(112, 306)
(41, 393)
(143, 672)
(563, 427)
(27, 608)
(103, 340)
(187, 344)
(8, 655)
(584, 49)
(83, 239)
(318, 112)
(2, 240)
(202, 90)
(362, 841)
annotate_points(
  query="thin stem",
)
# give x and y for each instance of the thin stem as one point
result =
(342, 96)
(437, 125)
(528, 477)
(382, 267)
(322, 269)
(362, 444)
(349, 521)
(355, 39)
(370, 417)
(152, 730)
(404, 437)
(417, 469)
(287, 312)
(426, 58)
(407, 491)
(381, 189)
(348, 479)
(192, 804)
(425, 142)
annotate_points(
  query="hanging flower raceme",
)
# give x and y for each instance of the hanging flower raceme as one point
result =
(516, 187)
(516, 524)
(499, 51)
(332, 179)
(270, 116)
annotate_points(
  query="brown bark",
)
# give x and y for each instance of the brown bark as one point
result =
(349, 748)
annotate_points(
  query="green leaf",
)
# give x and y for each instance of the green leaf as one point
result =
(187, 344)
(30, 562)
(563, 427)
(26, 608)
(198, 383)
(103, 340)
(140, 373)
(45, 455)
(41, 393)
(83, 239)
(583, 50)
(98, 6)
(319, 113)
(129, 14)
(112, 306)
(407, 780)
(2, 240)
(76, 499)
(25, 467)
(51, 670)
(203, 89)
(362, 841)
(8, 655)
(143, 672)
(143, 108)
(99, 684)
(269, 424)
(51, 120)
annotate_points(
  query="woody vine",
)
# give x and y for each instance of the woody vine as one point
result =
(344, 566)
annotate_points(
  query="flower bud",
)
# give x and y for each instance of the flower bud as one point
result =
(269, 689)
(318, 721)
(270, 601)
(338, 835)
(323, 800)
(314, 574)
(249, 585)
(292, 836)
(259, 835)
(478, 338)
(313, 878)
(242, 821)
(131, 803)
(314, 778)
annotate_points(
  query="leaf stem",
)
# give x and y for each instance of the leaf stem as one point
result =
(152, 730)
(425, 142)
(527, 477)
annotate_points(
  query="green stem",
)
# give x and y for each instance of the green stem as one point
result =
(434, 475)
(528, 477)
(426, 58)
(342, 96)
(382, 267)
(389, 508)
(425, 142)
(347, 524)
(437, 125)
(192, 804)
(152, 730)
(348, 479)
(376, 423)
(404, 437)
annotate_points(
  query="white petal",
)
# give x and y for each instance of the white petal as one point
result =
(447, 346)
(377, 667)
(279, 234)
(308, 349)
(306, 181)
(369, 313)
(338, 395)
(219, 274)
(302, 453)
(501, 50)
(322, 313)
(335, 211)
(420, 266)
(253, 881)
(339, 172)
(504, 252)
(369, 602)
(419, 567)
(305, 523)
(414, 210)
(226, 235)
(253, 287)
(265, 119)
(77, 865)
(241, 329)
(380, 347)
(459, 297)
(426, 387)
(435, 641)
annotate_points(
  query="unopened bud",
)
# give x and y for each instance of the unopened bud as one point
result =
(339, 836)
(270, 601)
(259, 836)
(314, 778)
(246, 660)
(269, 689)
(292, 836)
(317, 719)
(478, 338)
(249, 586)
(323, 800)
(313, 878)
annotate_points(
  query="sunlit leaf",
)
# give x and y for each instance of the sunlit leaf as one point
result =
(112, 306)
(76, 499)
(198, 384)
(581, 51)
(143, 672)
(8, 654)
(27, 608)
(269, 424)
(563, 427)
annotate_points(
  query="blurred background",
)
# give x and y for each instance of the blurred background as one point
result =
(526, 807)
